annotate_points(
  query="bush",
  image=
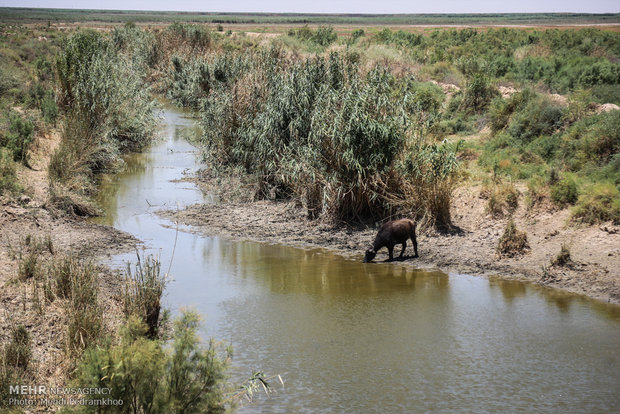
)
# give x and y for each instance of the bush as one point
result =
(513, 242)
(356, 34)
(108, 89)
(599, 205)
(19, 136)
(143, 290)
(565, 191)
(502, 199)
(79, 155)
(592, 141)
(197, 36)
(8, 179)
(538, 117)
(501, 110)
(190, 377)
(330, 135)
(537, 191)
(478, 94)
(323, 36)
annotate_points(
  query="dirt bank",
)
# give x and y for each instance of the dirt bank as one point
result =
(595, 251)
(25, 220)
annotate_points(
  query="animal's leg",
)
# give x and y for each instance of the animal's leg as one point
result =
(415, 244)
(404, 247)
(391, 252)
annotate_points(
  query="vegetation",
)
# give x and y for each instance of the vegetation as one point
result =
(357, 128)
(27, 105)
(20, 14)
(108, 107)
(143, 290)
(15, 358)
(190, 377)
(563, 258)
(513, 242)
(352, 136)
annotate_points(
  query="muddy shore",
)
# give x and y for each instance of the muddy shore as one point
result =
(594, 269)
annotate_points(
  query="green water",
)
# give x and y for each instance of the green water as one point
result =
(353, 337)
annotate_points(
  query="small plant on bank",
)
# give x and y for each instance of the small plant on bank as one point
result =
(565, 192)
(85, 321)
(503, 199)
(513, 242)
(19, 136)
(15, 358)
(599, 205)
(563, 258)
(8, 179)
(18, 351)
(143, 291)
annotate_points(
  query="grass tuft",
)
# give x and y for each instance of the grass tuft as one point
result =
(513, 242)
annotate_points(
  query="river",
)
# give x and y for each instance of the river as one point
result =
(352, 337)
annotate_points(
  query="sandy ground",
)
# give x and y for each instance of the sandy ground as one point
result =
(28, 216)
(595, 251)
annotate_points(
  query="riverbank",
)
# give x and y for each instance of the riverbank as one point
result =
(594, 269)
(35, 232)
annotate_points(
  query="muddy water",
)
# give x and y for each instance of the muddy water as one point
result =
(353, 337)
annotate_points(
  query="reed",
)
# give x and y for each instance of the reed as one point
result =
(143, 289)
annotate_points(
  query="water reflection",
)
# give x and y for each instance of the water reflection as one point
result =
(318, 272)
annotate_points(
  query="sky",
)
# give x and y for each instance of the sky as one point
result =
(335, 6)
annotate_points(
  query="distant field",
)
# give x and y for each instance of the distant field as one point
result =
(31, 15)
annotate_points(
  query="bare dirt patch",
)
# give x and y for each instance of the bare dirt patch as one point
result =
(595, 251)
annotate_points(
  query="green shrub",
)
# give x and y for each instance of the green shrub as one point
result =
(501, 110)
(592, 142)
(565, 191)
(19, 136)
(356, 34)
(190, 377)
(599, 205)
(324, 132)
(537, 191)
(49, 110)
(197, 36)
(324, 36)
(478, 94)
(606, 93)
(79, 155)
(538, 117)
(107, 87)
(8, 179)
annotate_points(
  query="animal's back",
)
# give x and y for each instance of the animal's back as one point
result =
(396, 230)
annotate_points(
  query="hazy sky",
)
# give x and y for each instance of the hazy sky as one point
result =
(334, 6)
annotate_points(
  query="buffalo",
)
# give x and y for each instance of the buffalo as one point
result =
(393, 233)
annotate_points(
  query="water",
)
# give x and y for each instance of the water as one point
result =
(354, 337)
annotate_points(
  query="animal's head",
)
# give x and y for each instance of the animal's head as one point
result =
(370, 254)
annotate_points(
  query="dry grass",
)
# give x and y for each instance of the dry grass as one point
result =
(563, 258)
(513, 242)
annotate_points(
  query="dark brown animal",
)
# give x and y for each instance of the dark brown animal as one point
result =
(393, 233)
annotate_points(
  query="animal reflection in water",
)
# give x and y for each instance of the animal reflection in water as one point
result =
(393, 233)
